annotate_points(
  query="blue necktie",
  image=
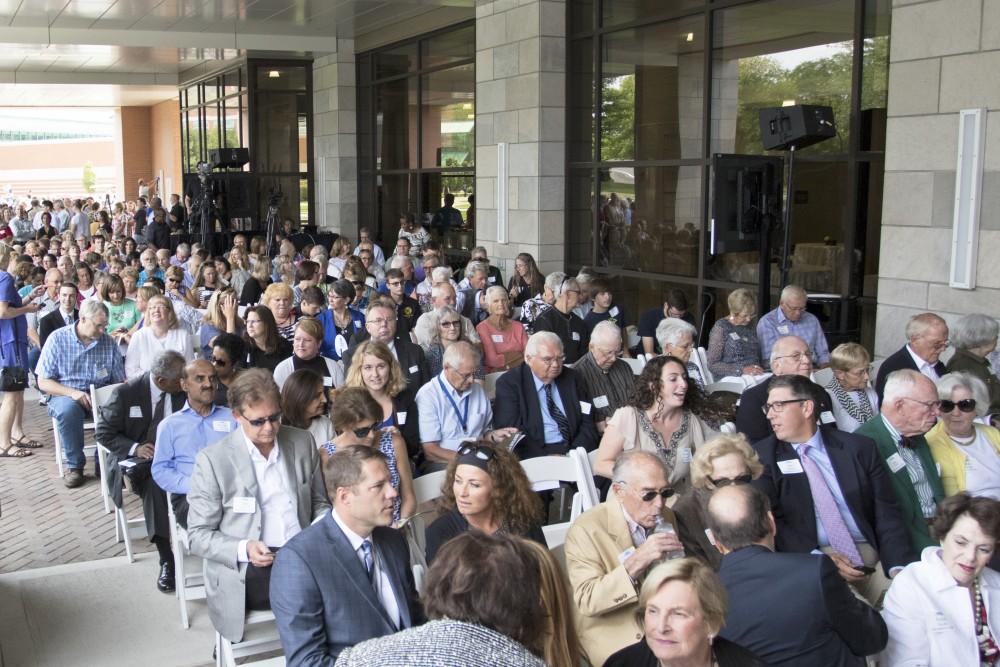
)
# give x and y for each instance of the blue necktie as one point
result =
(366, 556)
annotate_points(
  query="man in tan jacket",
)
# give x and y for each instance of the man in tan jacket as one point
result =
(611, 547)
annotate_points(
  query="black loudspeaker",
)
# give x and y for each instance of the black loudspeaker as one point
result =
(231, 158)
(784, 128)
(241, 195)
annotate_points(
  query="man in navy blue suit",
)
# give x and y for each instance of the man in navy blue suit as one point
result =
(346, 578)
(789, 609)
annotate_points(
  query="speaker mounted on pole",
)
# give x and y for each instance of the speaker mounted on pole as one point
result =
(795, 127)
(230, 158)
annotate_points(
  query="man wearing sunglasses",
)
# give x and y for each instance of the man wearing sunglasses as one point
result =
(829, 491)
(909, 409)
(250, 493)
(610, 548)
(185, 432)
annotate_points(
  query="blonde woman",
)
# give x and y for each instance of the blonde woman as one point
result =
(220, 317)
(278, 298)
(161, 331)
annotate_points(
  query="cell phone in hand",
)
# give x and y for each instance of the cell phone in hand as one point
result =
(865, 569)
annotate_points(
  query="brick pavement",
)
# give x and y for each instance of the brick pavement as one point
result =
(42, 522)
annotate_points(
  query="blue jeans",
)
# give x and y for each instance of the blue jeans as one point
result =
(34, 354)
(69, 416)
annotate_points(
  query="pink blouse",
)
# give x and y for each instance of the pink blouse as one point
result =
(496, 343)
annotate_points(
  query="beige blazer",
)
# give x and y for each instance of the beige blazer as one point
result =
(606, 600)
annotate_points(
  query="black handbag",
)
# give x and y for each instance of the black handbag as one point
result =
(14, 378)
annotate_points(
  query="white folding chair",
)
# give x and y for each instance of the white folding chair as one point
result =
(99, 397)
(426, 488)
(126, 529)
(636, 364)
(260, 636)
(700, 359)
(490, 384)
(731, 386)
(589, 496)
(190, 585)
(632, 332)
(88, 450)
(822, 376)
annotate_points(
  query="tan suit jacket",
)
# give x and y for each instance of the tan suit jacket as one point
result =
(606, 600)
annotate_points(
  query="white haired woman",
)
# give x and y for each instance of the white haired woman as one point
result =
(852, 397)
(967, 453)
(975, 337)
(677, 339)
(503, 339)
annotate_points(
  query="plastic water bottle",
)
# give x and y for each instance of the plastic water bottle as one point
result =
(664, 526)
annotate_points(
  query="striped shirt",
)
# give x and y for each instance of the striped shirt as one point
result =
(609, 390)
(67, 361)
(918, 476)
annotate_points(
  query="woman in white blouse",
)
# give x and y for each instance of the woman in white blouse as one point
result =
(851, 395)
(944, 611)
(160, 331)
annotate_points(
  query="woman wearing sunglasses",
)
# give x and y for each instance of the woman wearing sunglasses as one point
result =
(485, 488)
(967, 453)
(446, 329)
(725, 459)
(228, 353)
(357, 419)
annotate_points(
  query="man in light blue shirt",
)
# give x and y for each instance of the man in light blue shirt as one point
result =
(183, 434)
(791, 319)
(454, 408)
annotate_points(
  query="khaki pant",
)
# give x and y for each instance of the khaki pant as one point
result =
(872, 589)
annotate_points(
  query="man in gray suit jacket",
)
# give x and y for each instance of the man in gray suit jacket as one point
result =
(346, 578)
(250, 493)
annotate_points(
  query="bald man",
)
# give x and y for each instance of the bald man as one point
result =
(926, 339)
(791, 319)
(608, 379)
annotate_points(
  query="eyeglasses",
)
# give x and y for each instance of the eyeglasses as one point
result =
(363, 432)
(357, 283)
(965, 405)
(726, 481)
(647, 496)
(270, 419)
(451, 323)
(395, 283)
(859, 372)
(795, 356)
(380, 322)
(480, 452)
(779, 406)
(930, 405)
(219, 362)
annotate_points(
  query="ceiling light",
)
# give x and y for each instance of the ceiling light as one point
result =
(788, 103)
(467, 106)
(689, 37)
(274, 74)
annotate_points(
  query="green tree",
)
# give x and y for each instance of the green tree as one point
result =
(618, 118)
(89, 178)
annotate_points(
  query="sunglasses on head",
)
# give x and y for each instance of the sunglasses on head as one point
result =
(725, 481)
(270, 419)
(363, 432)
(965, 405)
(478, 451)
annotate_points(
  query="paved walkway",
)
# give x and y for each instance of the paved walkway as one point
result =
(42, 523)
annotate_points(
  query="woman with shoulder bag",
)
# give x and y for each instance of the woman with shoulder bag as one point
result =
(14, 358)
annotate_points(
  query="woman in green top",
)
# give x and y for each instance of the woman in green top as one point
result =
(122, 313)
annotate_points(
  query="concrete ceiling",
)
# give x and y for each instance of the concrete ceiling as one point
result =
(115, 52)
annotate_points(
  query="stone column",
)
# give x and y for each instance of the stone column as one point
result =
(335, 144)
(520, 101)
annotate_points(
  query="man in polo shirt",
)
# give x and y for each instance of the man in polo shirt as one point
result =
(74, 358)
(453, 407)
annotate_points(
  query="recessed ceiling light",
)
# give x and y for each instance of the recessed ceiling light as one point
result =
(274, 74)
(788, 103)
(690, 37)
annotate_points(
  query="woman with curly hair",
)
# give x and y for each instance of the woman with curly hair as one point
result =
(485, 488)
(663, 415)
(527, 280)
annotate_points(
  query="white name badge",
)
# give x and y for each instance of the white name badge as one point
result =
(414, 369)
(783, 329)
(734, 335)
(492, 279)
(613, 312)
(790, 467)
(497, 338)
(135, 412)
(710, 535)
(895, 462)
(585, 407)
(327, 381)
(400, 418)
(576, 336)
(102, 373)
(685, 454)
(826, 417)
(357, 324)
(244, 504)
(222, 426)
(601, 401)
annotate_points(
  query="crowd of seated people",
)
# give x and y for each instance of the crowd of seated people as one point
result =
(855, 515)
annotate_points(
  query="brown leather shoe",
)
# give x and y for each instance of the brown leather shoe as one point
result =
(73, 479)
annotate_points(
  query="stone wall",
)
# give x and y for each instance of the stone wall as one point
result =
(945, 56)
(335, 143)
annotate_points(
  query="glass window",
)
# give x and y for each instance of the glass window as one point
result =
(231, 123)
(212, 127)
(580, 108)
(652, 84)
(210, 90)
(272, 77)
(397, 194)
(580, 218)
(581, 16)
(803, 58)
(625, 11)
(649, 219)
(231, 83)
(277, 136)
(194, 152)
(449, 117)
(874, 76)
(449, 47)
(435, 187)
(396, 124)
(398, 60)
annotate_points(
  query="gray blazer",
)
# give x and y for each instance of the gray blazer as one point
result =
(222, 472)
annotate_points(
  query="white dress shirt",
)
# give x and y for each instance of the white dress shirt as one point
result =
(279, 517)
(923, 366)
(383, 587)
